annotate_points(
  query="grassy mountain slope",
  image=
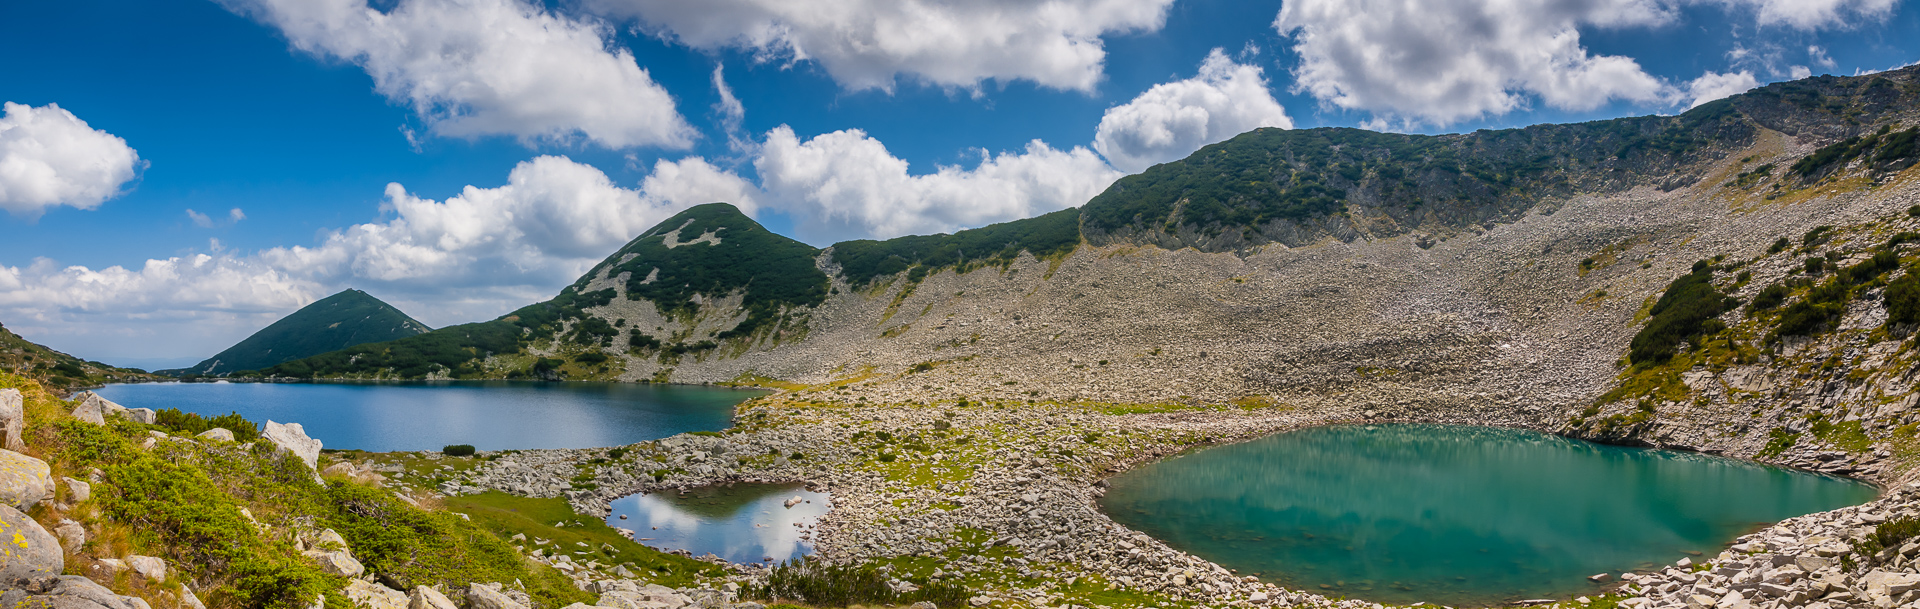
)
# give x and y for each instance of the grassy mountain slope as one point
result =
(1297, 186)
(57, 370)
(349, 318)
(706, 252)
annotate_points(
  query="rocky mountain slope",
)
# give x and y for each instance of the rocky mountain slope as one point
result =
(55, 369)
(349, 318)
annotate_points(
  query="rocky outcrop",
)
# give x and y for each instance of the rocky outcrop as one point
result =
(24, 481)
(484, 596)
(375, 596)
(422, 597)
(29, 553)
(13, 419)
(95, 409)
(291, 439)
(70, 592)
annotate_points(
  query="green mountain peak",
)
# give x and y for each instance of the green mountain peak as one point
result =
(349, 318)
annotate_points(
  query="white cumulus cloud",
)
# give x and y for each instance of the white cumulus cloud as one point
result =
(49, 157)
(867, 44)
(471, 256)
(1443, 61)
(1815, 14)
(1714, 85)
(489, 67)
(1171, 120)
(846, 184)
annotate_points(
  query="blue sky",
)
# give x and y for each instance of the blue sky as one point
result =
(526, 141)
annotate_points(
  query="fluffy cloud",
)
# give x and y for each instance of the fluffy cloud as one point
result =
(865, 44)
(1171, 120)
(1814, 14)
(470, 256)
(489, 67)
(1443, 61)
(1714, 85)
(50, 157)
(845, 184)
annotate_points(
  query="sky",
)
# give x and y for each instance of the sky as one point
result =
(177, 174)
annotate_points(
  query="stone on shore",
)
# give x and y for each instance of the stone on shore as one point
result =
(24, 481)
(291, 439)
(31, 554)
(13, 419)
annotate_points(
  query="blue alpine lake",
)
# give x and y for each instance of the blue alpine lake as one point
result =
(1460, 516)
(428, 415)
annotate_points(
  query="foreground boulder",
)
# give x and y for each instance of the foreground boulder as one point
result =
(31, 554)
(94, 409)
(291, 439)
(24, 481)
(13, 419)
(69, 592)
(482, 596)
(423, 597)
(375, 596)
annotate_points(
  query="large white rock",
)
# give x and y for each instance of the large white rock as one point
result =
(291, 439)
(28, 553)
(375, 596)
(94, 409)
(150, 567)
(336, 563)
(24, 481)
(481, 596)
(423, 597)
(13, 419)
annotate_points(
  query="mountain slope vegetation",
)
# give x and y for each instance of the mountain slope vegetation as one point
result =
(349, 318)
(57, 370)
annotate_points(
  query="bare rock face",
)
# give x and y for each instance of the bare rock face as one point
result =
(291, 439)
(13, 419)
(24, 481)
(482, 596)
(27, 552)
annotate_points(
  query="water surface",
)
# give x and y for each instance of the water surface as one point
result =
(742, 523)
(427, 415)
(1455, 515)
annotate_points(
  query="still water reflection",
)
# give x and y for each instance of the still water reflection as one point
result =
(741, 523)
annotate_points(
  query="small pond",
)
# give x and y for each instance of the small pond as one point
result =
(743, 523)
(1461, 516)
(427, 415)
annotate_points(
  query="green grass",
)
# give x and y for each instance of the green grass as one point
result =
(507, 515)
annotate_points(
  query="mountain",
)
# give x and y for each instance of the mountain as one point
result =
(1638, 280)
(349, 318)
(58, 371)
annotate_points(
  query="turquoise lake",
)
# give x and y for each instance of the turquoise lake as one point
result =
(428, 415)
(1462, 516)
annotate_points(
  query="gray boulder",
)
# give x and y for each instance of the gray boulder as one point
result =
(482, 596)
(423, 597)
(291, 439)
(375, 596)
(337, 562)
(24, 481)
(218, 433)
(76, 592)
(77, 490)
(95, 409)
(143, 416)
(152, 568)
(72, 536)
(13, 419)
(31, 554)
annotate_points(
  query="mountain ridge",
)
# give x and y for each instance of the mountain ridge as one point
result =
(347, 318)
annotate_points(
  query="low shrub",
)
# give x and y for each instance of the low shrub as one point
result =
(1680, 315)
(822, 584)
(458, 450)
(193, 424)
